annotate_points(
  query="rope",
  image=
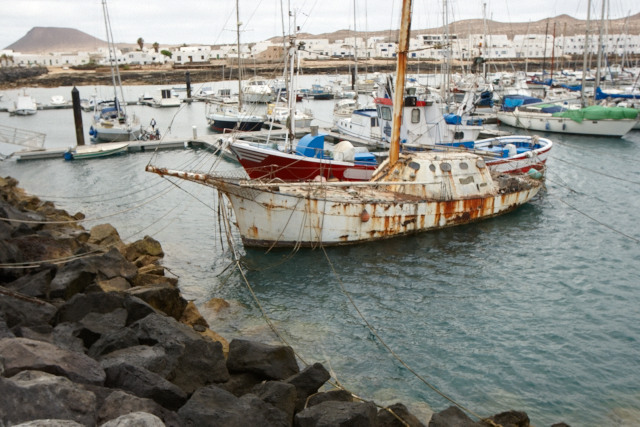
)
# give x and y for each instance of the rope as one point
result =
(75, 221)
(393, 353)
(596, 172)
(592, 218)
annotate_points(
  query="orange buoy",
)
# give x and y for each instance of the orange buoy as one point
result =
(364, 216)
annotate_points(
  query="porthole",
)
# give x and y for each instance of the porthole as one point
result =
(446, 167)
(432, 167)
(464, 166)
(480, 164)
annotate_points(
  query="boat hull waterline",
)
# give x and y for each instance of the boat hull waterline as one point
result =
(548, 123)
(265, 163)
(96, 151)
(313, 213)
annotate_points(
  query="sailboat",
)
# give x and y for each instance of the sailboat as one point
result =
(584, 120)
(224, 117)
(407, 194)
(305, 159)
(111, 123)
(25, 105)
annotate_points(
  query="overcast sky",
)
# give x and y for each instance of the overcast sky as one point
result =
(213, 21)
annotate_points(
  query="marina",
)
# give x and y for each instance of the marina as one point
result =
(535, 310)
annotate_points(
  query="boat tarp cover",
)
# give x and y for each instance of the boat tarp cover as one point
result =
(597, 112)
(452, 119)
(602, 95)
(551, 108)
(311, 145)
(512, 101)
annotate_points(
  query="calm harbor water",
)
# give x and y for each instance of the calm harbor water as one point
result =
(537, 310)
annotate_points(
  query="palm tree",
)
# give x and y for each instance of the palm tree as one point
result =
(156, 46)
(140, 42)
(5, 59)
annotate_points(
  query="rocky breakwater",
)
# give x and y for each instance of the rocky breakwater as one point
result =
(92, 332)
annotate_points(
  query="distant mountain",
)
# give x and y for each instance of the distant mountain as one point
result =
(564, 25)
(54, 39)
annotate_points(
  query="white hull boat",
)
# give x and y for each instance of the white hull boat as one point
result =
(95, 151)
(407, 194)
(25, 106)
(423, 195)
(547, 122)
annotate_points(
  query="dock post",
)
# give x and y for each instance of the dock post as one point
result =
(77, 116)
(188, 77)
(353, 79)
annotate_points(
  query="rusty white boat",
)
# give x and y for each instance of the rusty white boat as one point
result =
(407, 194)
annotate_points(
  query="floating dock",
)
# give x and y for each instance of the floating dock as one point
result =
(209, 141)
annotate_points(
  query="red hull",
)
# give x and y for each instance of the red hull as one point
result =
(266, 163)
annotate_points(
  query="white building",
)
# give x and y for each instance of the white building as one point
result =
(191, 55)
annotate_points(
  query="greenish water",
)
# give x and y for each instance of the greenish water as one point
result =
(535, 311)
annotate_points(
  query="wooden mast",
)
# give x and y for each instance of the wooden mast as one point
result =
(398, 95)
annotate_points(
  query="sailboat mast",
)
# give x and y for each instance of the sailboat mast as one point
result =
(553, 50)
(600, 47)
(238, 23)
(113, 61)
(291, 91)
(355, 55)
(584, 58)
(398, 95)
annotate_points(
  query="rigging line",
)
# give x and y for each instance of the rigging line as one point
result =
(55, 261)
(180, 188)
(238, 264)
(23, 221)
(595, 171)
(164, 134)
(156, 222)
(59, 198)
(597, 221)
(63, 260)
(597, 151)
(384, 344)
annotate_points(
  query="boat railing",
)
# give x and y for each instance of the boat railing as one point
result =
(25, 138)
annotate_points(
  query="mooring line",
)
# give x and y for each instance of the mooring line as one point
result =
(587, 215)
(393, 353)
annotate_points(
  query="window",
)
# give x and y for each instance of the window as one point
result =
(385, 113)
(415, 115)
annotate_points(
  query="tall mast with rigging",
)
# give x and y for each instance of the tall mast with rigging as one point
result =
(238, 23)
(398, 95)
(583, 101)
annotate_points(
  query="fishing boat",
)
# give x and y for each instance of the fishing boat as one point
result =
(257, 90)
(165, 98)
(305, 159)
(511, 154)
(111, 122)
(93, 151)
(408, 193)
(25, 105)
(311, 159)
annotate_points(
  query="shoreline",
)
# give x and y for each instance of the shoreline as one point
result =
(150, 74)
(133, 338)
